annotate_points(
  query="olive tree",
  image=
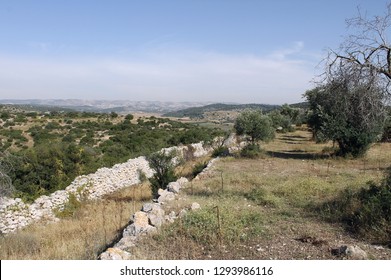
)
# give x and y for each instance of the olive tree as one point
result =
(254, 125)
(350, 115)
(349, 105)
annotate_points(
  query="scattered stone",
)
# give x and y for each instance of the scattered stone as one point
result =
(126, 243)
(166, 196)
(352, 252)
(147, 207)
(195, 206)
(156, 216)
(182, 213)
(140, 219)
(171, 217)
(135, 230)
(115, 254)
(174, 187)
(182, 181)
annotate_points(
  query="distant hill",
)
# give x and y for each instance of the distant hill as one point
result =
(105, 106)
(301, 105)
(32, 108)
(198, 112)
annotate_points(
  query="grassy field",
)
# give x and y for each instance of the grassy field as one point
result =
(277, 206)
(272, 207)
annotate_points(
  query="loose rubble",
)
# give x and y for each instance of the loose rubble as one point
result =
(147, 221)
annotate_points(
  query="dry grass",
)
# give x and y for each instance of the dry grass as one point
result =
(266, 206)
(84, 235)
(280, 190)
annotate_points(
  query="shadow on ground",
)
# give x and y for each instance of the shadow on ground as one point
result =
(297, 154)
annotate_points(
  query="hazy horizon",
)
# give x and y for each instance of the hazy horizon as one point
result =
(182, 51)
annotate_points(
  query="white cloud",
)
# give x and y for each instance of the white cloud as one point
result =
(182, 76)
(281, 54)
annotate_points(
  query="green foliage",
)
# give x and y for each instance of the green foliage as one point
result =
(13, 134)
(255, 125)
(142, 176)
(350, 115)
(386, 136)
(163, 167)
(251, 151)
(113, 115)
(280, 120)
(5, 116)
(6, 187)
(70, 207)
(45, 169)
(129, 117)
(263, 197)
(69, 144)
(198, 112)
(221, 151)
(366, 212)
(286, 117)
(204, 226)
(198, 168)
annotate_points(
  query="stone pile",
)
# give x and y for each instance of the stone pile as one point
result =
(147, 221)
(15, 214)
(151, 217)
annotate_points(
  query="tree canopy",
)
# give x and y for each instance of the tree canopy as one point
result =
(255, 125)
(348, 106)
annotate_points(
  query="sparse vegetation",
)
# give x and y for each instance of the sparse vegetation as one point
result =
(270, 203)
(48, 150)
(262, 203)
(164, 170)
(365, 211)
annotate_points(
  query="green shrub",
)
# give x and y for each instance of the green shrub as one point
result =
(366, 212)
(251, 151)
(221, 151)
(69, 208)
(263, 197)
(198, 168)
(163, 167)
(204, 226)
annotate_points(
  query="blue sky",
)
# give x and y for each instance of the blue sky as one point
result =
(218, 50)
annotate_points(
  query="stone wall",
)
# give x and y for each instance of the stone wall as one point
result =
(15, 214)
(152, 216)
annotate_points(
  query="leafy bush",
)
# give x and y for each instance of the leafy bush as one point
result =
(221, 151)
(255, 125)
(163, 166)
(347, 113)
(70, 207)
(366, 212)
(251, 151)
(198, 168)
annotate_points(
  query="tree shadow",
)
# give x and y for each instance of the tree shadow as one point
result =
(297, 154)
(293, 139)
